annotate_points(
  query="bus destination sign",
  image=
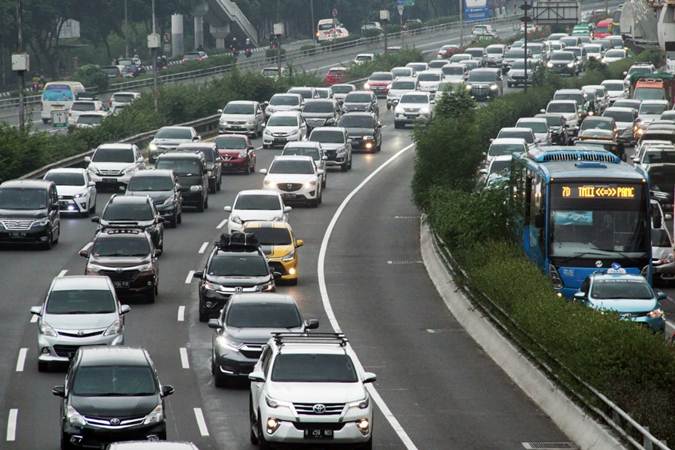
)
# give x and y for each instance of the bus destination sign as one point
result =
(609, 191)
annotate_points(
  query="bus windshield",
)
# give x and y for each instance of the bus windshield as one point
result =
(591, 220)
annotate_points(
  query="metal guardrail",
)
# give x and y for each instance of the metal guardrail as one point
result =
(637, 435)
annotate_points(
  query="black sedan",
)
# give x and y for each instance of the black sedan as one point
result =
(364, 130)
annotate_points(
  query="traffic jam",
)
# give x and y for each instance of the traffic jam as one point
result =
(592, 177)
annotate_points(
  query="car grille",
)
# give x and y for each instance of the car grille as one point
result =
(289, 187)
(113, 173)
(66, 197)
(279, 134)
(119, 274)
(331, 154)
(236, 122)
(66, 351)
(309, 410)
(17, 224)
(411, 110)
(80, 334)
(479, 90)
(252, 351)
(106, 422)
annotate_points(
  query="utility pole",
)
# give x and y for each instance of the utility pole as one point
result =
(384, 17)
(153, 43)
(461, 23)
(311, 9)
(401, 8)
(21, 70)
(525, 19)
(126, 30)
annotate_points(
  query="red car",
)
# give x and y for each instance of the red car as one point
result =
(448, 50)
(237, 152)
(379, 82)
(335, 75)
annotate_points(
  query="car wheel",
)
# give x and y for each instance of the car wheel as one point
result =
(323, 183)
(262, 443)
(180, 218)
(252, 422)
(220, 380)
(50, 242)
(344, 167)
(349, 164)
(203, 316)
(151, 296)
(43, 366)
(65, 442)
(206, 203)
(200, 207)
(212, 188)
(218, 185)
(173, 223)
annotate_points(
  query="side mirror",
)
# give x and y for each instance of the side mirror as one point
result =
(277, 275)
(579, 296)
(256, 376)
(199, 275)
(87, 159)
(542, 110)
(625, 73)
(288, 209)
(636, 160)
(125, 309)
(228, 209)
(660, 295)
(324, 158)
(215, 324)
(96, 219)
(379, 125)
(311, 324)
(369, 377)
(178, 186)
(92, 184)
(36, 310)
(483, 171)
(59, 391)
(167, 390)
(299, 242)
(263, 171)
(161, 219)
(320, 171)
(84, 253)
(220, 111)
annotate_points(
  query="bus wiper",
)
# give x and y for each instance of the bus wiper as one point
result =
(579, 255)
(624, 255)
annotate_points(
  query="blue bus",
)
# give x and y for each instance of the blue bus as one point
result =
(579, 210)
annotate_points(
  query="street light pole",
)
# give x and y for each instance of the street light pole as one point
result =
(525, 19)
(126, 30)
(19, 40)
(311, 9)
(461, 23)
(155, 92)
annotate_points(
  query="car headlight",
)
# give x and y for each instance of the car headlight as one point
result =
(208, 285)
(467, 87)
(360, 404)
(235, 219)
(267, 131)
(155, 416)
(196, 188)
(310, 184)
(366, 85)
(293, 132)
(94, 268)
(289, 256)
(274, 403)
(74, 417)
(79, 195)
(47, 329)
(223, 122)
(267, 287)
(40, 223)
(277, 219)
(169, 201)
(549, 64)
(114, 328)
(267, 182)
(656, 314)
(570, 65)
(152, 147)
(147, 267)
(494, 87)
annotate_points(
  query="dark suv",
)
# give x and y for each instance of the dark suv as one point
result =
(214, 163)
(237, 264)
(111, 394)
(161, 186)
(29, 212)
(364, 130)
(364, 101)
(245, 325)
(128, 258)
(190, 170)
(125, 212)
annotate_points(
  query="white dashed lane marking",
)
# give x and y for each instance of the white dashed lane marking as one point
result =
(181, 313)
(21, 359)
(184, 361)
(202, 249)
(11, 424)
(188, 279)
(201, 422)
(221, 224)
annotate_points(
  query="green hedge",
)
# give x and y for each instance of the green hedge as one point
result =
(630, 365)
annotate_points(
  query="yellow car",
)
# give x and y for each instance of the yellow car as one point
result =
(280, 246)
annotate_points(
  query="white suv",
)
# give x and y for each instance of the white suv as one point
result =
(296, 178)
(114, 164)
(308, 388)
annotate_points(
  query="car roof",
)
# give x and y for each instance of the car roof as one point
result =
(69, 282)
(293, 158)
(358, 113)
(108, 355)
(259, 192)
(531, 119)
(197, 145)
(566, 101)
(569, 91)
(158, 445)
(32, 184)
(519, 141)
(303, 144)
(654, 102)
(242, 102)
(117, 145)
(128, 199)
(360, 92)
(487, 70)
(413, 79)
(615, 276)
(620, 109)
(319, 100)
(67, 170)
(529, 130)
(177, 128)
(286, 113)
(601, 118)
(340, 129)
(262, 298)
(267, 224)
(180, 155)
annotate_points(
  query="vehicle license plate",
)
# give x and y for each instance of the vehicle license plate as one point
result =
(318, 434)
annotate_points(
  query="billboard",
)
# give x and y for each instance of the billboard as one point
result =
(476, 10)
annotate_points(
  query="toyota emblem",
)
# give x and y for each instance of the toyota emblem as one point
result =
(319, 408)
(598, 264)
(114, 421)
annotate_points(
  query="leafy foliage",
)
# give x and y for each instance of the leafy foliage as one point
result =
(90, 75)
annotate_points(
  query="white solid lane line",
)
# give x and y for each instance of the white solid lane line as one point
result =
(201, 422)
(202, 249)
(221, 224)
(181, 313)
(62, 273)
(21, 359)
(188, 279)
(11, 424)
(393, 421)
(184, 361)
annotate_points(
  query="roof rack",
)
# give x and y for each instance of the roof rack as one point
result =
(282, 338)
(237, 240)
(131, 230)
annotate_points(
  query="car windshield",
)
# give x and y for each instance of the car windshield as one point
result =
(304, 93)
(562, 56)
(282, 121)
(561, 107)
(429, 77)
(341, 89)
(660, 238)
(619, 116)
(482, 76)
(405, 85)
(358, 98)
(324, 107)
(649, 94)
(271, 235)
(381, 77)
(257, 202)
(401, 72)
(83, 106)
(535, 126)
(617, 289)
(117, 211)
(447, 70)
(596, 123)
(90, 119)
(263, 315)
(505, 149)
(230, 142)
(121, 246)
(614, 53)
(23, 198)
(149, 184)
(614, 86)
(647, 108)
(292, 167)
(185, 167)
(359, 121)
(593, 48)
(285, 100)
(238, 264)
(239, 108)
(313, 368)
(303, 151)
(526, 134)
(123, 98)
(494, 50)
(654, 156)
(209, 153)
(174, 133)
(414, 99)
(515, 53)
(65, 178)
(114, 381)
(327, 137)
(113, 155)
(81, 301)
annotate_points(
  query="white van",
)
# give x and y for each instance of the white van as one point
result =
(59, 95)
(330, 30)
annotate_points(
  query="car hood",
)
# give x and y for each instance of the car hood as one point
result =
(624, 305)
(79, 321)
(186, 181)
(119, 261)
(262, 215)
(236, 117)
(661, 252)
(238, 280)
(115, 407)
(310, 115)
(360, 131)
(110, 165)
(317, 392)
(289, 178)
(332, 146)
(71, 190)
(276, 251)
(274, 129)
(256, 335)
(23, 214)
(156, 196)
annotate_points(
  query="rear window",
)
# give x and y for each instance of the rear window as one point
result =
(524, 134)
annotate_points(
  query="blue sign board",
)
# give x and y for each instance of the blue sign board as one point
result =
(475, 10)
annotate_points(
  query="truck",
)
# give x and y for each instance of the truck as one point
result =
(656, 86)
